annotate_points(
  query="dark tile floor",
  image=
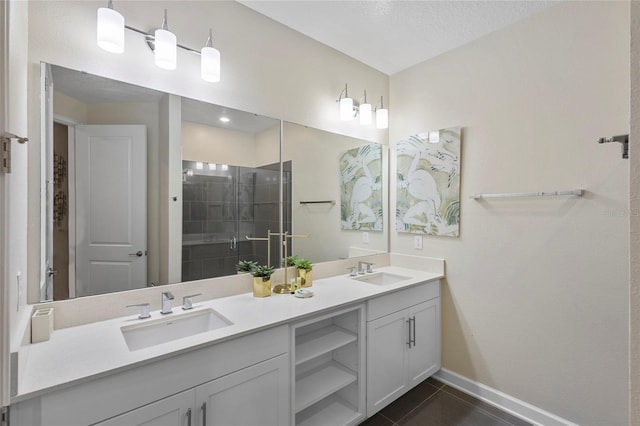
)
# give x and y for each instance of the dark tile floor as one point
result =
(432, 403)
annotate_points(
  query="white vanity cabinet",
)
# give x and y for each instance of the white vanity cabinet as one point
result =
(403, 342)
(328, 367)
(256, 395)
(244, 381)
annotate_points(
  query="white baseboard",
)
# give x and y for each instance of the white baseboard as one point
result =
(501, 400)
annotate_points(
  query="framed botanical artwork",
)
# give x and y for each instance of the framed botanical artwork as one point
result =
(361, 188)
(428, 183)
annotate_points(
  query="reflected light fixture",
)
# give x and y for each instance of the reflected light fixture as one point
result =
(434, 136)
(199, 165)
(213, 166)
(225, 119)
(365, 111)
(346, 105)
(382, 116)
(210, 61)
(165, 50)
(164, 44)
(110, 29)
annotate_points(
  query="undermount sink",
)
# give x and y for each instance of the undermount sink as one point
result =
(163, 330)
(381, 278)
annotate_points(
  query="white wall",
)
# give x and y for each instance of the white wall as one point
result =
(215, 145)
(535, 303)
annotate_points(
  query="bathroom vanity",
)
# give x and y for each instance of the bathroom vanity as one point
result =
(334, 358)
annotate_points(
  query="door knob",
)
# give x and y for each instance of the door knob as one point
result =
(138, 253)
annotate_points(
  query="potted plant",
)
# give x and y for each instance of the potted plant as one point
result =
(304, 268)
(262, 280)
(291, 260)
(246, 266)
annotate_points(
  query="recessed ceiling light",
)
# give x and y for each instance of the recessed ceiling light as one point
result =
(225, 119)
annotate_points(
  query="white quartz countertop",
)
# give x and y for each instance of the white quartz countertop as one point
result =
(78, 354)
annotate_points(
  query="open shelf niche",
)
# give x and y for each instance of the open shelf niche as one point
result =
(328, 368)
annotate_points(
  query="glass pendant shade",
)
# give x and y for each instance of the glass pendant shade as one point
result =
(110, 30)
(210, 64)
(346, 109)
(165, 49)
(382, 118)
(365, 114)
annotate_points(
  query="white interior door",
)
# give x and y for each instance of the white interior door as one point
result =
(111, 208)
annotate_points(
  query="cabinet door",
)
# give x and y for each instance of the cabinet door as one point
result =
(254, 396)
(424, 353)
(387, 339)
(175, 410)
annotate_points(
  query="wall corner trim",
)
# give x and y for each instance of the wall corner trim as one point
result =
(501, 400)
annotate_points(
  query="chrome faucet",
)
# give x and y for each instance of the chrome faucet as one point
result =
(364, 267)
(167, 297)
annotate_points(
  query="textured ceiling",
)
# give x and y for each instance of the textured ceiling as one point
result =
(392, 35)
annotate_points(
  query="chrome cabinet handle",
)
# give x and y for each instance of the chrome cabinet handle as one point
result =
(413, 336)
(189, 417)
(409, 330)
(204, 413)
(138, 253)
(51, 272)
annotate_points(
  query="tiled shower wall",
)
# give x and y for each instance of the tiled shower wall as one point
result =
(222, 205)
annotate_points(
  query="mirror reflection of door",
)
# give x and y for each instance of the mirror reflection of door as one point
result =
(110, 200)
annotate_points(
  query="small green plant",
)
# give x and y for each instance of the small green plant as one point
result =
(303, 264)
(246, 265)
(291, 260)
(263, 271)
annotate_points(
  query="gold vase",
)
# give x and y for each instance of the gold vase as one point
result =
(261, 288)
(306, 276)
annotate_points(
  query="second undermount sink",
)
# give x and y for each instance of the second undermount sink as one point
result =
(163, 330)
(381, 278)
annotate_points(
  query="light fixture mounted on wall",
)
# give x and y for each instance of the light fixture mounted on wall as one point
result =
(350, 108)
(110, 37)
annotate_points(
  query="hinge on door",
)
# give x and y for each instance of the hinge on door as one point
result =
(4, 416)
(5, 156)
(5, 152)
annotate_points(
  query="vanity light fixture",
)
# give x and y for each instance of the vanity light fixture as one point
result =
(110, 29)
(346, 105)
(166, 46)
(110, 37)
(434, 136)
(210, 61)
(225, 119)
(224, 167)
(365, 111)
(212, 166)
(349, 108)
(199, 165)
(382, 116)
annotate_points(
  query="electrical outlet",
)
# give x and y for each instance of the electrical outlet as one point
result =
(417, 242)
(365, 237)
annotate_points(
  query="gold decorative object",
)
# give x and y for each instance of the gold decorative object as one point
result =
(306, 276)
(261, 288)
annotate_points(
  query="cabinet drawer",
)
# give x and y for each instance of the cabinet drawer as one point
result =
(390, 303)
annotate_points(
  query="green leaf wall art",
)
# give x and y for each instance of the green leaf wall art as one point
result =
(428, 183)
(361, 188)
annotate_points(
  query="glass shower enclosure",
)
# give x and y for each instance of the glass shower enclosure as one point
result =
(224, 204)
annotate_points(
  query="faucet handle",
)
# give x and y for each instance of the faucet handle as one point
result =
(144, 310)
(352, 271)
(187, 303)
(370, 267)
(167, 294)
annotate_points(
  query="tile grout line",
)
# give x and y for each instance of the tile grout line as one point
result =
(420, 404)
(478, 408)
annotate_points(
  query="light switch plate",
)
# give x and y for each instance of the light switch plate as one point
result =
(417, 242)
(365, 237)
